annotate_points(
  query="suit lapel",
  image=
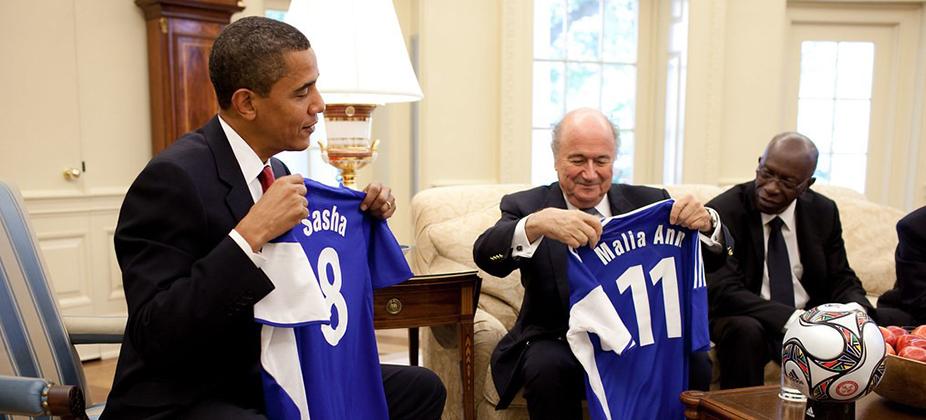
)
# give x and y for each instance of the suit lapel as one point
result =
(557, 251)
(805, 236)
(238, 198)
(757, 236)
(619, 202)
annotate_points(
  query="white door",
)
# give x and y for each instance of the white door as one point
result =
(849, 78)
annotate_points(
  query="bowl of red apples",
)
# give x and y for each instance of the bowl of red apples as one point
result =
(904, 379)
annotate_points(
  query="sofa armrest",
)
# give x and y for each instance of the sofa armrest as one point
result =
(95, 329)
(37, 397)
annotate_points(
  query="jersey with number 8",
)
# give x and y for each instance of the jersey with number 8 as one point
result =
(638, 308)
(346, 254)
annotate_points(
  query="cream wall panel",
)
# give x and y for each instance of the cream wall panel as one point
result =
(459, 74)
(40, 122)
(753, 107)
(112, 81)
(65, 255)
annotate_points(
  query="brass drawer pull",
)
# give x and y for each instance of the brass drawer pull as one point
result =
(393, 306)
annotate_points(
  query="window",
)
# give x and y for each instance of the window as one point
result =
(676, 77)
(834, 107)
(585, 55)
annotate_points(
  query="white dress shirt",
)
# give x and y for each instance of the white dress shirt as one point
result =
(522, 248)
(251, 166)
(788, 230)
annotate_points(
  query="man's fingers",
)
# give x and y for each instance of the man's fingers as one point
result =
(373, 191)
(676, 209)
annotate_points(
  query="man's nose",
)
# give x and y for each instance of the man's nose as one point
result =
(317, 105)
(588, 170)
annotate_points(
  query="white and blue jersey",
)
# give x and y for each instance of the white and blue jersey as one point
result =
(638, 308)
(318, 350)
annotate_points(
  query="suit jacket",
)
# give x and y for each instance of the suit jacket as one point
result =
(545, 308)
(734, 288)
(909, 292)
(190, 289)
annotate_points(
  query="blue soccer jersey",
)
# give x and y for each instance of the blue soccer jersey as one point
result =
(638, 308)
(318, 350)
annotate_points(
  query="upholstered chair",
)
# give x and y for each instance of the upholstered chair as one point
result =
(40, 373)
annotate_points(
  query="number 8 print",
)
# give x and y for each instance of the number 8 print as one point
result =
(333, 297)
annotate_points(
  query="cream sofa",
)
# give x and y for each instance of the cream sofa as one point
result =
(448, 220)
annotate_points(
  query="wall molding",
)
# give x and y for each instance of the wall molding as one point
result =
(514, 161)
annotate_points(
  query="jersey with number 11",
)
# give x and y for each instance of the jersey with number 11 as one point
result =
(638, 308)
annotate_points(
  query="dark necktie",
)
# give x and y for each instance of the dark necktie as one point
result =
(266, 178)
(594, 212)
(780, 283)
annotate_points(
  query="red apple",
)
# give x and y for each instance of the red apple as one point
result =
(909, 340)
(919, 331)
(897, 330)
(913, 353)
(889, 349)
(889, 337)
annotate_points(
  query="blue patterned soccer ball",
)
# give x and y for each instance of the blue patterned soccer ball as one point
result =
(834, 353)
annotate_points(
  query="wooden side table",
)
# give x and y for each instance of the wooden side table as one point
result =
(762, 402)
(429, 300)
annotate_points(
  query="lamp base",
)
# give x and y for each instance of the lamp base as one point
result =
(349, 147)
(348, 160)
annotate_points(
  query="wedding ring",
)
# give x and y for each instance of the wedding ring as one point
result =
(388, 205)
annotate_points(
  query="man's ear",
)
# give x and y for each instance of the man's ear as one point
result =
(242, 102)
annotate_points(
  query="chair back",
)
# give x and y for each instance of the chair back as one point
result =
(33, 340)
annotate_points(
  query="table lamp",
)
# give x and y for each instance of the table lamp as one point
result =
(363, 63)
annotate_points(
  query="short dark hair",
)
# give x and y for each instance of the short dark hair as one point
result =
(249, 54)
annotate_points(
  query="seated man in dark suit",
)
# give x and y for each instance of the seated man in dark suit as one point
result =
(190, 235)
(533, 234)
(905, 304)
(790, 256)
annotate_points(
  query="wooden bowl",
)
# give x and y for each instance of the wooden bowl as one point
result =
(904, 381)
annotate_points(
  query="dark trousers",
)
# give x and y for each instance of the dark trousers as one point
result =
(893, 316)
(412, 393)
(743, 348)
(554, 381)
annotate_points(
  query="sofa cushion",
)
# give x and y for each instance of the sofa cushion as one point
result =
(453, 239)
(868, 229)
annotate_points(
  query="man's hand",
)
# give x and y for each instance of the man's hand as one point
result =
(688, 212)
(571, 227)
(281, 207)
(379, 201)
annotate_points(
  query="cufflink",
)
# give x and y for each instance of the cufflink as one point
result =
(730, 251)
(520, 248)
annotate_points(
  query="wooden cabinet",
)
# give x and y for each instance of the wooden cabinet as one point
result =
(180, 37)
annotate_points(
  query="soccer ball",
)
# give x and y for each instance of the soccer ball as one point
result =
(834, 353)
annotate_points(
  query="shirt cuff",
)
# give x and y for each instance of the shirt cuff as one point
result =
(712, 242)
(520, 246)
(255, 257)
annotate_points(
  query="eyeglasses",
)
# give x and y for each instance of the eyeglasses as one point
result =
(765, 175)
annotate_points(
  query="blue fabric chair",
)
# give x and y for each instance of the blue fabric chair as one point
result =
(40, 373)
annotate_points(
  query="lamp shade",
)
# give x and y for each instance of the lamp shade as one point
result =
(361, 52)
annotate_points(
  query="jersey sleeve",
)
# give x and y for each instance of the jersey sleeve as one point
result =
(296, 298)
(385, 258)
